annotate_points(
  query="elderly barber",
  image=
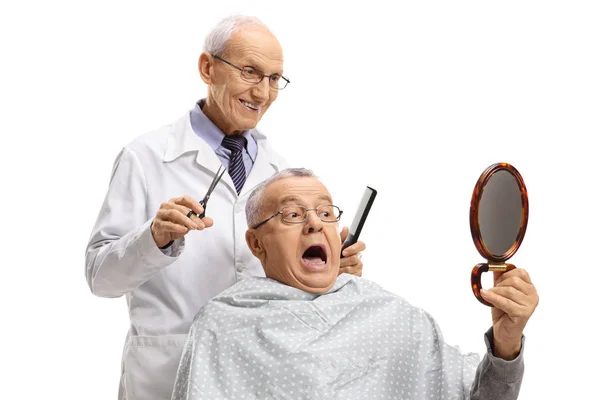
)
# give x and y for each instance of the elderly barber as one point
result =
(306, 332)
(149, 243)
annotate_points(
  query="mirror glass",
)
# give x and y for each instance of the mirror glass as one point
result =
(500, 212)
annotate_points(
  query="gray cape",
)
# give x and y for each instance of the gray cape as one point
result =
(261, 339)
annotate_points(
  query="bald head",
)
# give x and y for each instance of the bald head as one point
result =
(218, 39)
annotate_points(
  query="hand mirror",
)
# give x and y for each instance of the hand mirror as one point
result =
(498, 219)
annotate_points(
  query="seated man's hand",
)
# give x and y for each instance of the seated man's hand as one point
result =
(351, 263)
(514, 298)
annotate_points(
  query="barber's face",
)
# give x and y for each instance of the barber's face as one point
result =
(304, 255)
(233, 104)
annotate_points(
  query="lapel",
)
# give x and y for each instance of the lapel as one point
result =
(183, 140)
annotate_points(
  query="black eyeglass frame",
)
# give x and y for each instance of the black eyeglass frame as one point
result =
(259, 73)
(306, 210)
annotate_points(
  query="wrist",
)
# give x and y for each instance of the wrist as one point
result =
(161, 242)
(507, 350)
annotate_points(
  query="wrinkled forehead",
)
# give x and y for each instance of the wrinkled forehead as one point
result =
(256, 46)
(305, 191)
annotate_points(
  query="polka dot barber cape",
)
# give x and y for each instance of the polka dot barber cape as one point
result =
(261, 339)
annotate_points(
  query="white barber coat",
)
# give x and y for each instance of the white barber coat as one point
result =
(164, 290)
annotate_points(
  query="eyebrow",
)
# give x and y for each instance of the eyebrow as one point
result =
(254, 64)
(294, 199)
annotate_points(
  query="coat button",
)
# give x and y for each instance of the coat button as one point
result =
(239, 267)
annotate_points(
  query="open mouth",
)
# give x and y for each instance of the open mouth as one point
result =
(250, 106)
(315, 257)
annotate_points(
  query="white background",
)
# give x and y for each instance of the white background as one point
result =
(414, 99)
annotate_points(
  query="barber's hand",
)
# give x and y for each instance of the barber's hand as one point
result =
(514, 298)
(351, 263)
(171, 221)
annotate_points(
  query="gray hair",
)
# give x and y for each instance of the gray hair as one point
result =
(255, 200)
(217, 40)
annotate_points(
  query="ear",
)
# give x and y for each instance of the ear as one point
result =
(205, 67)
(255, 245)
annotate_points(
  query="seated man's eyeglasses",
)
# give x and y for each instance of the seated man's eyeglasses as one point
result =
(299, 214)
(253, 75)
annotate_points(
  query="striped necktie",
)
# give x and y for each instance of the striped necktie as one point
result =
(236, 144)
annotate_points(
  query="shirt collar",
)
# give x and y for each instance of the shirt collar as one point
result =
(212, 135)
(182, 139)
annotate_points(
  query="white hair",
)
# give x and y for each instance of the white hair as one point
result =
(217, 40)
(255, 200)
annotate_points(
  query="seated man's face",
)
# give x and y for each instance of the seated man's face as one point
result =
(304, 255)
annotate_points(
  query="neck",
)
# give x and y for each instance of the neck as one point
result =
(215, 115)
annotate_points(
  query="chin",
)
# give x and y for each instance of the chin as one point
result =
(319, 290)
(319, 284)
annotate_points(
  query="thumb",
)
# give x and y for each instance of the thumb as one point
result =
(208, 222)
(344, 233)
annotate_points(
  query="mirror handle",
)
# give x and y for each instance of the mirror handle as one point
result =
(476, 279)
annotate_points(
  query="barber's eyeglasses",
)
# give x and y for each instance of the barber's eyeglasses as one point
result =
(299, 214)
(253, 75)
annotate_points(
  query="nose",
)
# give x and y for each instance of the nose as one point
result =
(313, 223)
(261, 90)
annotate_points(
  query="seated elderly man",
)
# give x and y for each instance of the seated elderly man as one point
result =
(304, 332)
